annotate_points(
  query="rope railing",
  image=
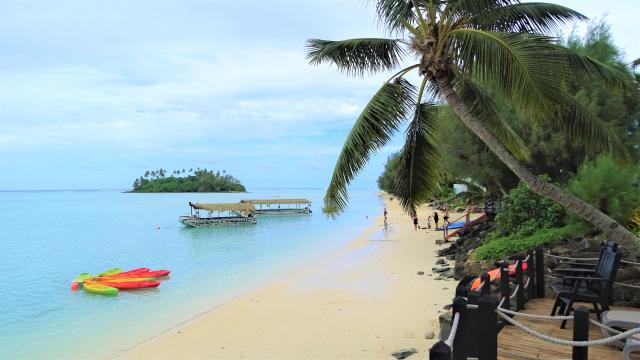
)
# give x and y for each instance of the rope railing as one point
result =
(515, 292)
(527, 258)
(589, 259)
(614, 283)
(454, 329)
(604, 341)
(526, 285)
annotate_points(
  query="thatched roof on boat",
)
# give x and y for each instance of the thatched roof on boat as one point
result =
(224, 206)
(276, 201)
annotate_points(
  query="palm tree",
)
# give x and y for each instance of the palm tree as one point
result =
(461, 48)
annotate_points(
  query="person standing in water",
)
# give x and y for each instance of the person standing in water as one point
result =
(385, 213)
(436, 218)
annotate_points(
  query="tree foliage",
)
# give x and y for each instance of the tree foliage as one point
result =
(200, 180)
(473, 46)
(522, 212)
(613, 189)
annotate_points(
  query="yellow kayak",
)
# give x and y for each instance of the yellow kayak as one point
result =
(100, 289)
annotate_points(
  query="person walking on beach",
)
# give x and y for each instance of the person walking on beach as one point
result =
(429, 222)
(385, 213)
(415, 222)
(446, 215)
(436, 219)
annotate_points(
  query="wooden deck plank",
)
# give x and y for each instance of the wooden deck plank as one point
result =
(514, 343)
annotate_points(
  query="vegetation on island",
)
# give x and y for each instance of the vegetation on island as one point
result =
(199, 180)
(494, 68)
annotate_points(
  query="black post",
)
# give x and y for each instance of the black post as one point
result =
(580, 333)
(519, 285)
(531, 290)
(486, 284)
(540, 272)
(488, 320)
(461, 340)
(505, 291)
(440, 351)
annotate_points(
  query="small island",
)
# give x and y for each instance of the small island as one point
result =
(199, 180)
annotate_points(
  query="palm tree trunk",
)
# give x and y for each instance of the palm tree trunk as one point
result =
(609, 226)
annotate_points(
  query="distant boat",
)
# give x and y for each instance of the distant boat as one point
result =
(270, 207)
(219, 214)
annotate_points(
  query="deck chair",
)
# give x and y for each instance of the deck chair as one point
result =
(623, 320)
(582, 268)
(595, 288)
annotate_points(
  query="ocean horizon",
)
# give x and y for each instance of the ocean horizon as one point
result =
(50, 236)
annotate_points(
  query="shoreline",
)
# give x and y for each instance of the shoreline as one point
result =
(368, 288)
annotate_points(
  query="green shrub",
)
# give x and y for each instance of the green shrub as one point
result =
(523, 212)
(497, 246)
(612, 189)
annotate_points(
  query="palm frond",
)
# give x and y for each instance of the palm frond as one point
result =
(394, 14)
(420, 167)
(635, 63)
(585, 129)
(526, 17)
(524, 67)
(356, 56)
(586, 68)
(461, 9)
(380, 118)
(480, 104)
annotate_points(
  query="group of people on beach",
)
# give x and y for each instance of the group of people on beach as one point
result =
(436, 219)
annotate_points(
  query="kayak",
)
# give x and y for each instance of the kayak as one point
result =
(495, 275)
(126, 285)
(122, 279)
(152, 273)
(110, 272)
(100, 289)
(134, 271)
(82, 277)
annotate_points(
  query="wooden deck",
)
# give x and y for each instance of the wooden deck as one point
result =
(514, 343)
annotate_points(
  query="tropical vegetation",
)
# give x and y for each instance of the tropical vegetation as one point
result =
(468, 53)
(198, 180)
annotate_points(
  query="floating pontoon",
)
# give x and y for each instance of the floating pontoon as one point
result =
(219, 214)
(267, 207)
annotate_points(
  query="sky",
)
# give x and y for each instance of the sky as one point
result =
(93, 93)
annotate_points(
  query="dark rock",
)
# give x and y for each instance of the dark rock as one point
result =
(440, 262)
(460, 210)
(420, 272)
(448, 274)
(404, 353)
(439, 269)
(451, 257)
(584, 244)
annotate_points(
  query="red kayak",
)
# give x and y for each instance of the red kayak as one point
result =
(134, 271)
(495, 275)
(126, 284)
(139, 274)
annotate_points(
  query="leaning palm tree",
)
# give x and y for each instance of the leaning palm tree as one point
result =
(459, 49)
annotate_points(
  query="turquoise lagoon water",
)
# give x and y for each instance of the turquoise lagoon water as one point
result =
(48, 237)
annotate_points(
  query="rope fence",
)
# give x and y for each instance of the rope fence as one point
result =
(588, 259)
(614, 283)
(620, 336)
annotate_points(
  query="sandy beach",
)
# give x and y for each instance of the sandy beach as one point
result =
(364, 301)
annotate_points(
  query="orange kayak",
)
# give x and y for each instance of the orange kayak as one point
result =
(138, 273)
(495, 275)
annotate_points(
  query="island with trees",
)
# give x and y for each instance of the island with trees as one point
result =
(182, 180)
